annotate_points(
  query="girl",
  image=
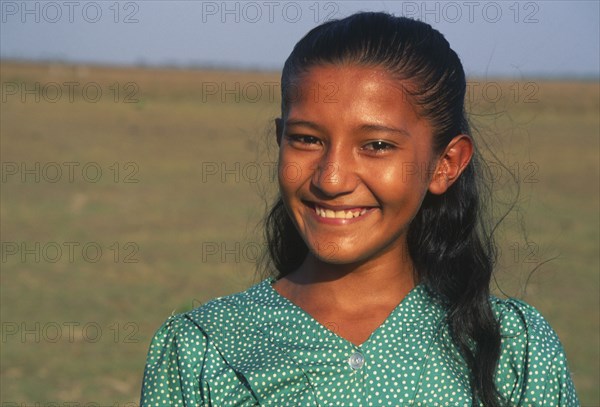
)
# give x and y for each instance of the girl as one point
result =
(381, 291)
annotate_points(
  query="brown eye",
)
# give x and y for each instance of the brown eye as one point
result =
(378, 146)
(303, 139)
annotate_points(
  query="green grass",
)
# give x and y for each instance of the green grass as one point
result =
(175, 210)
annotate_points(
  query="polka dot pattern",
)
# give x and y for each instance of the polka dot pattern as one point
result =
(258, 348)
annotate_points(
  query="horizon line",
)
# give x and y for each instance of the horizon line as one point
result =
(197, 66)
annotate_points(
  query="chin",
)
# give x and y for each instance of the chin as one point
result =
(334, 254)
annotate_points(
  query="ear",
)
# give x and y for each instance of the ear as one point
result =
(451, 164)
(278, 129)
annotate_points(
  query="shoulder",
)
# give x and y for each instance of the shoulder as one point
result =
(183, 344)
(533, 366)
(214, 319)
(216, 314)
(230, 312)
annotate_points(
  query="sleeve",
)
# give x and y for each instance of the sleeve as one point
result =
(560, 390)
(546, 378)
(174, 365)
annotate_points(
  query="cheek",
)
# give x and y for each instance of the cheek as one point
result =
(408, 174)
(401, 186)
(289, 175)
(293, 170)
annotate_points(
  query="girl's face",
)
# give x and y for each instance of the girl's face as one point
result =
(355, 163)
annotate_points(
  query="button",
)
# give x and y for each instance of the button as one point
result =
(356, 361)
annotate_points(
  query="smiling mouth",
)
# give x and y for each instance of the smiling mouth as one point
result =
(342, 214)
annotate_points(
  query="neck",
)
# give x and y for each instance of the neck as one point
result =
(382, 281)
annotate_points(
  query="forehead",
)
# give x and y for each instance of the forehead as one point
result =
(350, 92)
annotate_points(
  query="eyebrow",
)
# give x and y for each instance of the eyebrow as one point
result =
(379, 127)
(363, 127)
(306, 123)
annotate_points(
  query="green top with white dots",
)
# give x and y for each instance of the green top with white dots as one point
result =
(256, 348)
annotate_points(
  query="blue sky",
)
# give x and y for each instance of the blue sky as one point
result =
(493, 38)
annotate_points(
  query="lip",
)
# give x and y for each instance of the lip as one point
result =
(337, 221)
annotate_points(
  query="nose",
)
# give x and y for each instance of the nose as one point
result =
(335, 173)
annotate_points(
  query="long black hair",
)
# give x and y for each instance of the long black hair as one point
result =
(448, 242)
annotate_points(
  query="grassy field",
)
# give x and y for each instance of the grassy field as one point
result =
(130, 193)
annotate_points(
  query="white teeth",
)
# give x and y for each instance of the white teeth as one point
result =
(328, 213)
